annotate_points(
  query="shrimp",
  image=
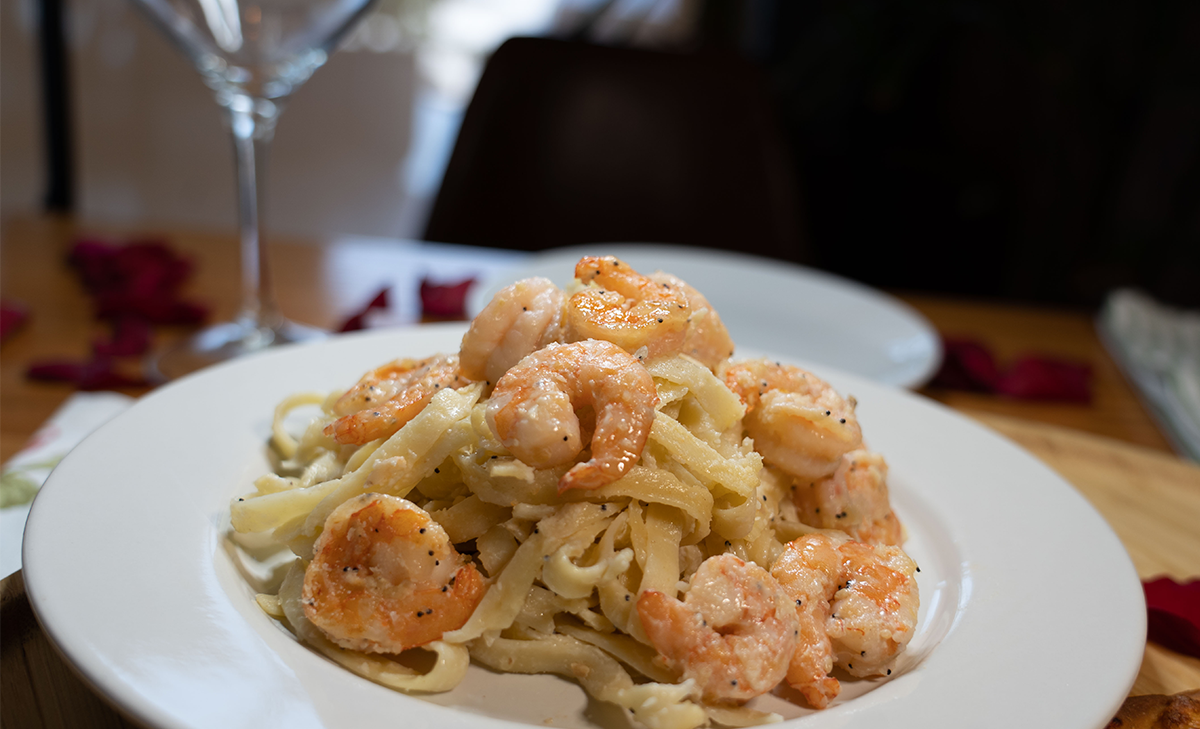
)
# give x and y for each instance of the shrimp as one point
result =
(734, 632)
(858, 609)
(385, 578)
(706, 339)
(388, 397)
(854, 499)
(808, 572)
(520, 319)
(626, 308)
(533, 410)
(798, 422)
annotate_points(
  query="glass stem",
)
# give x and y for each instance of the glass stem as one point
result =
(252, 122)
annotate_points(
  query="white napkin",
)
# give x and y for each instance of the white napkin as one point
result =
(26, 471)
(1158, 348)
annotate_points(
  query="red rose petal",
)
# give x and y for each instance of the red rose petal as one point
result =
(55, 370)
(969, 365)
(142, 278)
(131, 337)
(1173, 614)
(445, 301)
(12, 316)
(966, 365)
(133, 286)
(1044, 378)
(358, 321)
(95, 374)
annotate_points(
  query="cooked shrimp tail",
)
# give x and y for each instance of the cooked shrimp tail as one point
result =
(853, 499)
(706, 338)
(533, 410)
(626, 308)
(799, 423)
(385, 399)
(857, 604)
(521, 319)
(385, 577)
(734, 632)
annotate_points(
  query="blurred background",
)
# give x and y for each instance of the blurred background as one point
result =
(1033, 151)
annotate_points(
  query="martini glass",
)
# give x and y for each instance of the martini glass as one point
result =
(253, 54)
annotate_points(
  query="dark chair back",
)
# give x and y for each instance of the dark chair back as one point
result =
(567, 142)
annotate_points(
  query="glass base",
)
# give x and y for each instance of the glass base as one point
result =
(223, 342)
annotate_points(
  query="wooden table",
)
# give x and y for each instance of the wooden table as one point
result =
(1110, 449)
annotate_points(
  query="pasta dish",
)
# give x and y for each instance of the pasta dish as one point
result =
(591, 487)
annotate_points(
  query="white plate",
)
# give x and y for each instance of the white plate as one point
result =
(1031, 612)
(772, 306)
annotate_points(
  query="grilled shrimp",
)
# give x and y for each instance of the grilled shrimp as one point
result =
(533, 410)
(626, 308)
(388, 397)
(854, 499)
(385, 577)
(734, 632)
(520, 319)
(798, 421)
(863, 596)
(706, 339)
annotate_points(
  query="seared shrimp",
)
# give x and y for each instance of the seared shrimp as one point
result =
(798, 422)
(706, 339)
(385, 577)
(808, 571)
(388, 397)
(533, 410)
(854, 499)
(626, 308)
(865, 596)
(520, 319)
(734, 632)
